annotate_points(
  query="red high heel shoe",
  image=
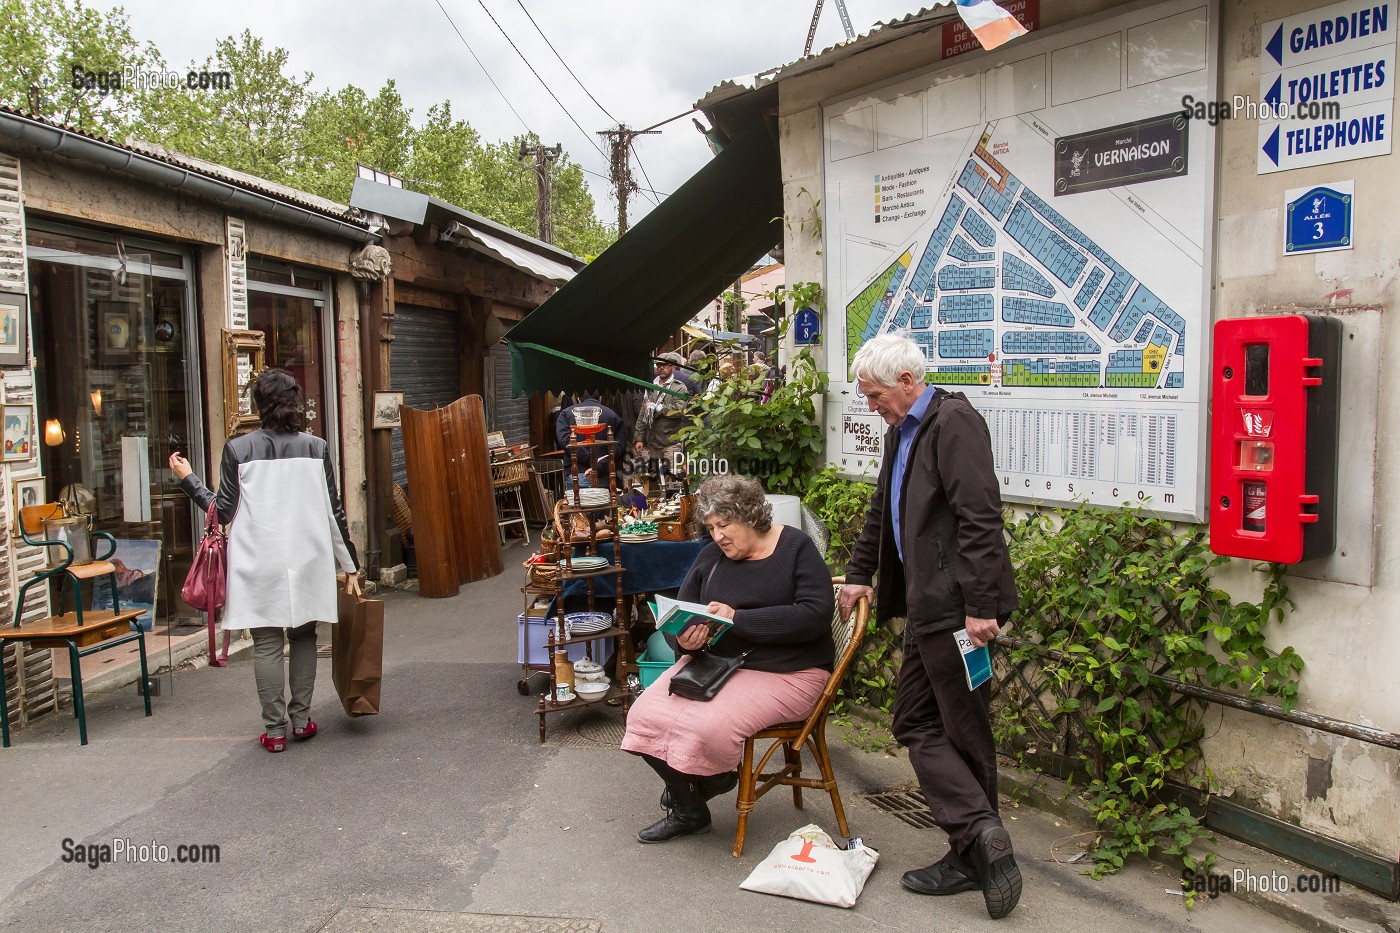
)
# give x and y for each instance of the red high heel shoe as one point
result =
(306, 732)
(273, 743)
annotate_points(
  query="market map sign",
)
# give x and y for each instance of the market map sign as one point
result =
(1330, 73)
(1121, 155)
(1078, 326)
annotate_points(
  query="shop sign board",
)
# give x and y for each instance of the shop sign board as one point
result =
(806, 328)
(1121, 155)
(1326, 85)
(957, 38)
(1318, 218)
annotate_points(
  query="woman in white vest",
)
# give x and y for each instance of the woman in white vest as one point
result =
(287, 535)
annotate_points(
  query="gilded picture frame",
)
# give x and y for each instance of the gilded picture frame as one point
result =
(243, 361)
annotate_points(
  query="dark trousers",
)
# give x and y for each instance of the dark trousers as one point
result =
(948, 731)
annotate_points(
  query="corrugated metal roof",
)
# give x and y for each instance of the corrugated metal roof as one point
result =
(302, 199)
(942, 11)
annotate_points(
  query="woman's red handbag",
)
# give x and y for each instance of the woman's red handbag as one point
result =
(206, 587)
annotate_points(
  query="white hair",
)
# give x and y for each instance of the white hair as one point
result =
(883, 358)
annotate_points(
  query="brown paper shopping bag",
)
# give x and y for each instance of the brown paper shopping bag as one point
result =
(357, 653)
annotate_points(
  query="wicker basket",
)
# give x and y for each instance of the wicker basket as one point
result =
(403, 513)
(510, 473)
(542, 573)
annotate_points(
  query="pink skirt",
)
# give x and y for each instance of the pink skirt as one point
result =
(708, 737)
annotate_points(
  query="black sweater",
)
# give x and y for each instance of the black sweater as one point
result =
(783, 604)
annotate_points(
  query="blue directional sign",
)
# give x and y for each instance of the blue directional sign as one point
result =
(1318, 219)
(806, 327)
(1326, 85)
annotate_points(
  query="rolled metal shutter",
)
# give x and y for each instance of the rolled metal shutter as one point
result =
(510, 416)
(424, 364)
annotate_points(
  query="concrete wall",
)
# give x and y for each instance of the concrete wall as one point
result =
(1344, 624)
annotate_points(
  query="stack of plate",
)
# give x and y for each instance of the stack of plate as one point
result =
(587, 623)
(585, 562)
(590, 495)
(641, 538)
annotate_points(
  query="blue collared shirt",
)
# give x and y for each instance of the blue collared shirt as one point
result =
(907, 429)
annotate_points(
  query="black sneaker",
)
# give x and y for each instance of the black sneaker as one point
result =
(996, 866)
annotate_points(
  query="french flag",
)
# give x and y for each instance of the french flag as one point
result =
(989, 23)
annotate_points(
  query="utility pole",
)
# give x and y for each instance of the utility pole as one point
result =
(620, 167)
(543, 156)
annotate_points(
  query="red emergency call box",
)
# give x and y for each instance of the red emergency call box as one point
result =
(1274, 415)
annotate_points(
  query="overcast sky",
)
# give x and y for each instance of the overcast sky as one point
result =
(643, 61)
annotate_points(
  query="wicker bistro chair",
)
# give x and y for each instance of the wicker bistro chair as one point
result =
(811, 732)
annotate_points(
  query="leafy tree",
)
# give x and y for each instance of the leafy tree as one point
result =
(269, 122)
(43, 41)
(504, 189)
(347, 127)
(255, 125)
(444, 151)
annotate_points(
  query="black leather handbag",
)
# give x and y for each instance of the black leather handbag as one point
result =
(704, 675)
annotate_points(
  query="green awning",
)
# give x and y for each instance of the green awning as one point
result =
(654, 279)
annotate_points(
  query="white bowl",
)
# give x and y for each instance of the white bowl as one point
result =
(587, 690)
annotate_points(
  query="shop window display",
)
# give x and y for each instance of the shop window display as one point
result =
(288, 306)
(109, 319)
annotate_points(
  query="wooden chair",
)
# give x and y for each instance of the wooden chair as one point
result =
(82, 633)
(31, 522)
(811, 732)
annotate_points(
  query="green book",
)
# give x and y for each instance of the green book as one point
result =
(674, 616)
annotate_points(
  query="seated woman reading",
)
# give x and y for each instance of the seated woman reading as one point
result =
(771, 581)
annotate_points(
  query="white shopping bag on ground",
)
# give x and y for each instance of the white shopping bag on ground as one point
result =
(808, 865)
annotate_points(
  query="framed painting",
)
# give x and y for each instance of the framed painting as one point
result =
(386, 409)
(116, 332)
(18, 432)
(28, 492)
(14, 329)
(138, 579)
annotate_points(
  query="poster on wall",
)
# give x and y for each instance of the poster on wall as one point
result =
(1038, 221)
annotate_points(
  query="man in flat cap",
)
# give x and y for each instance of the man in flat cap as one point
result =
(662, 416)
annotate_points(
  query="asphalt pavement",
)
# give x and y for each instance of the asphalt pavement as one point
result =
(445, 813)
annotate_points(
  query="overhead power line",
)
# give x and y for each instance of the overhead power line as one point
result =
(589, 171)
(564, 63)
(542, 81)
(483, 67)
(637, 156)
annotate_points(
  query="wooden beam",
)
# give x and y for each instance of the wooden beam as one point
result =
(474, 311)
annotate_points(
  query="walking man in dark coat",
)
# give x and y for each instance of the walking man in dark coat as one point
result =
(934, 534)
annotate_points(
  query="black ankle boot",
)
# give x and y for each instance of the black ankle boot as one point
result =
(688, 816)
(710, 787)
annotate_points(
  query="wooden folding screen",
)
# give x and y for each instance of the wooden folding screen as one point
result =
(449, 484)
